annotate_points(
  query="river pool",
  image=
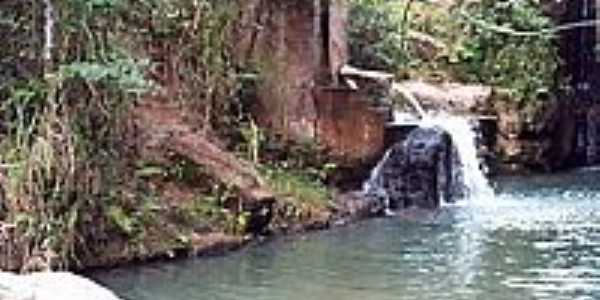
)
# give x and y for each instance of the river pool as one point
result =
(540, 239)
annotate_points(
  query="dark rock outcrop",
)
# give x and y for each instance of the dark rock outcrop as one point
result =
(537, 136)
(260, 213)
(416, 172)
(353, 206)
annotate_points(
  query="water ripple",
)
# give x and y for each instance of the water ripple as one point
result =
(540, 239)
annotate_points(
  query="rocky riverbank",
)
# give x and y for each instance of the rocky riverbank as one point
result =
(160, 244)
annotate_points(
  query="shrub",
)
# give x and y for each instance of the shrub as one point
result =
(503, 43)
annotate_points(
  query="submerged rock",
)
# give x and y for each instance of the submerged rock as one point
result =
(51, 286)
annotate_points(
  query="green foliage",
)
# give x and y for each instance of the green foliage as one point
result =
(127, 223)
(468, 41)
(200, 34)
(122, 74)
(133, 221)
(210, 211)
(252, 140)
(180, 170)
(298, 169)
(524, 65)
(64, 143)
(376, 34)
(301, 186)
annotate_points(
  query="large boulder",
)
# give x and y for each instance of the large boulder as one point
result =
(51, 286)
(416, 172)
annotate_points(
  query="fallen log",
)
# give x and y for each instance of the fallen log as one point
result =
(450, 97)
(163, 130)
(379, 76)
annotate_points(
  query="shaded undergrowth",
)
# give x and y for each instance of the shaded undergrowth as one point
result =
(70, 166)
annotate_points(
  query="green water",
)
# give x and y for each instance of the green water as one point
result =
(539, 240)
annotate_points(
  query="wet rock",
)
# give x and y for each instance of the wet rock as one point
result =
(593, 135)
(539, 135)
(418, 171)
(354, 206)
(259, 212)
(51, 286)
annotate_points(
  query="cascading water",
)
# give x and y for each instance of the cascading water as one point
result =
(398, 89)
(427, 161)
(374, 186)
(464, 139)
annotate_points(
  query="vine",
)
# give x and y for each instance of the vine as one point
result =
(64, 144)
(507, 44)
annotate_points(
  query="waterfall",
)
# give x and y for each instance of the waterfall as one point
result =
(396, 88)
(373, 187)
(464, 139)
(433, 168)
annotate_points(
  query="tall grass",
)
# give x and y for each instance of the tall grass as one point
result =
(65, 144)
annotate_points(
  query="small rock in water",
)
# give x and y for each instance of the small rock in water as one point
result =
(51, 286)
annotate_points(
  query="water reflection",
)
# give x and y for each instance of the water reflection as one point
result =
(539, 240)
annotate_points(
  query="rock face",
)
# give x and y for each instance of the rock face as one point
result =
(353, 206)
(587, 140)
(51, 286)
(578, 51)
(416, 172)
(298, 45)
(299, 48)
(538, 136)
(593, 135)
